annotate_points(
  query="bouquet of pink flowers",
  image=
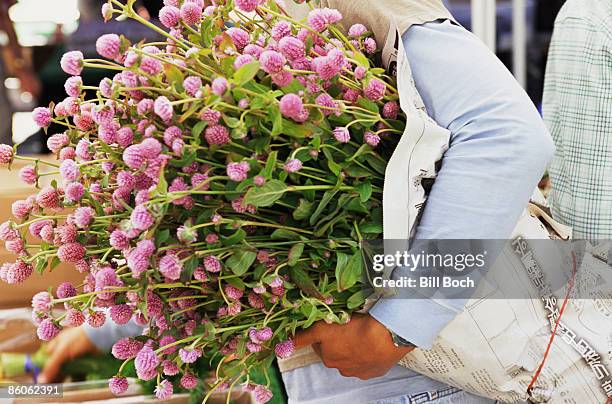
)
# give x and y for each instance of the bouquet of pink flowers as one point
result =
(214, 190)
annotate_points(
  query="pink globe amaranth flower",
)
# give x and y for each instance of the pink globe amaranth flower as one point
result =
(120, 313)
(329, 66)
(56, 142)
(217, 135)
(211, 116)
(15, 246)
(96, 319)
(281, 30)
(370, 45)
(192, 85)
(163, 108)
(118, 240)
(243, 60)
(84, 122)
(72, 62)
(21, 209)
(138, 261)
(6, 154)
(71, 253)
(253, 50)
(283, 79)
(291, 105)
(42, 116)
(74, 191)
(18, 272)
(357, 30)
(67, 233)
(351, 95)
(219, 86)
(41, 302)
(189, 381)
(150, 65)
(103, 114)
(272, 62)
(47, 234)
(118, 385)
(238, 172)
(34, 228)
(327, 103)
(141, 218)
(126, 179)
(247, 5)
(240, 207)
(65, 290)
(256, 301)
(233, 292)
(240, 37)
(171, 134)
(371, 139)
(69, 170)
(74, 318)
(342, 135)
(167, 340)
(133, 157)
(262, 394)
(146, 360)
(293, 166)
(170, 368)
(169, 16)
(360, 72)
(28, 175)
(124, 137)
(391, 110)
(47, 330)
(83, 216)
(83, 151)
(163, 390)
(107, 87)
(67, 153)
(212, 264)
(319, 19)
(48, 197)
(151, 148)
(144, 106)
(191, 13)
(253, 347)
(8, 232)
(170, 266)
(189, 355)
(107, 132)
(284, 349)
(375, 89)
(126, 348)
(108, 45)
(292, 48)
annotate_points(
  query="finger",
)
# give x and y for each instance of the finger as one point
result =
(307, 337)
(52, 367)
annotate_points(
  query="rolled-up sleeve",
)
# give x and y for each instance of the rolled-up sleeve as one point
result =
(499, 150)
(104, 337)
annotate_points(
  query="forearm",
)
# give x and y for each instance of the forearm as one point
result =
(499, 150)
(104, 337)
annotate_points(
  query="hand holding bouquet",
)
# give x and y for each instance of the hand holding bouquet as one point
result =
(214, 190)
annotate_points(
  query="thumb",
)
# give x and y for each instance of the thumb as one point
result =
(52, 367)
(307, 337)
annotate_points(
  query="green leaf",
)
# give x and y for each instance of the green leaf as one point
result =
(371, 228)
(356, 171)
(265, 195)
(327, 197)
(197, 130)
(41, 264)
(357, 299)
(356, 205)
(235, 238)
(246, 73)
(309, 194)
(241, 261)
(367, 104)
(189, 268)
(377, 163)
(365, 191)
(270, 165)
(348, 270)
(283, 234)
(162, 237)
(301, 279)
(303, 210)
(275, 116)
(236, 282)
(295, 253)
(175, 76)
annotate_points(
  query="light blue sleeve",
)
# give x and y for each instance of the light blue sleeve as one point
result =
(499, 150)
(104, 337)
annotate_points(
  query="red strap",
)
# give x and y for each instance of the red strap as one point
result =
(554, 333)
